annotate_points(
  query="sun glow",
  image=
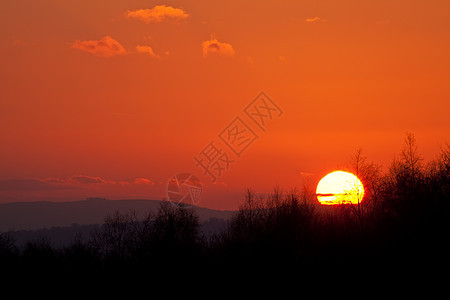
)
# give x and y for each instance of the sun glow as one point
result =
(340, 187)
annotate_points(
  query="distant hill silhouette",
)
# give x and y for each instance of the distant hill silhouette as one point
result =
(46, 214)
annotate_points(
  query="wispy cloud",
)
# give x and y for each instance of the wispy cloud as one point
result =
(147, 50)
(28, 185)
(157, 14)
(314, 20)
(306, 174)
(19, 42)
(85, 179)
(72, 182)
(105, 47)
(282, 59)
(141, 180)
(213, 46)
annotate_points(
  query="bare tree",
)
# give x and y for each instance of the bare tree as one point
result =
(438, 177)
(119, 235)
(175, 227)
(411, 159)
(407, 173)
(370, 176)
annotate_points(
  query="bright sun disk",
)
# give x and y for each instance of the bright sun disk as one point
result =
(340, 187)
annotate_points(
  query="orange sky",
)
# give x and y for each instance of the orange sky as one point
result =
(112, 98)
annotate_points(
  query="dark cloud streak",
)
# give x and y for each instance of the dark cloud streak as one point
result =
(31, 185)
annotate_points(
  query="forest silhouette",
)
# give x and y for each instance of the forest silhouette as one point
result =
(404, 218)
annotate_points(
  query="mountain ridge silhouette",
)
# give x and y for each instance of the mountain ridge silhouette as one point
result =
(45, 214)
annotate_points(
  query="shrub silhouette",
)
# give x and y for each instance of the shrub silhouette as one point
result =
(39, 253)
(7, 245)
(9, 252)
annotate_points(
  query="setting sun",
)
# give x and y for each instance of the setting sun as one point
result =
(340, 187)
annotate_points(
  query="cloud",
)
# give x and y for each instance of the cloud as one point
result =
(85, 179)
(31, 185)
(306, 174)
(19, 42)
(213, 46)
(53, 180)
(143, 181)
(157, 14)
(315, 19)
(106, 47)
(147, 50)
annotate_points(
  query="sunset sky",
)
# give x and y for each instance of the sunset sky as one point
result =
(112, 98)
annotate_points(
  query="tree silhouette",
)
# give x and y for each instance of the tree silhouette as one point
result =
(175, 230)
(370, 176)
(117, 237)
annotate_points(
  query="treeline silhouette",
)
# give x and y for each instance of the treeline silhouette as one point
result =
(404, 218)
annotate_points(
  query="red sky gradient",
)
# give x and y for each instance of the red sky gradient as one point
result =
(112, 98)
